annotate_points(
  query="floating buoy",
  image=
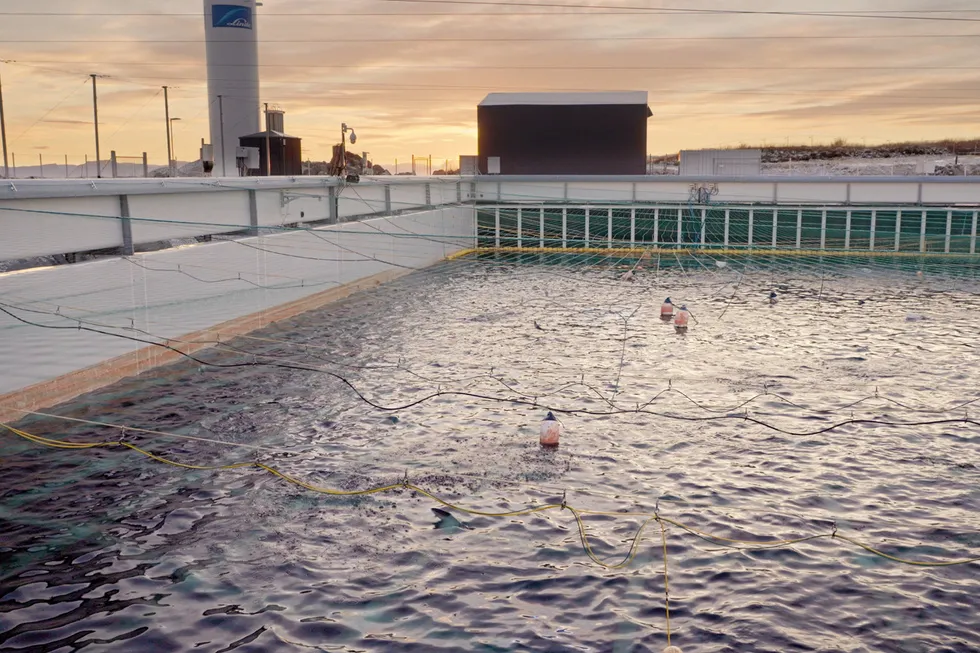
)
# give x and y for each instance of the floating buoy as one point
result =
(666, 310)
(550, 431)
(680, 320)
(772, 298)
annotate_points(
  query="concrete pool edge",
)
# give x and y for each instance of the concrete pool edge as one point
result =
(19, 403)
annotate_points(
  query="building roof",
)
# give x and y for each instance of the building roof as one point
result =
(272, 134)
(574, 99)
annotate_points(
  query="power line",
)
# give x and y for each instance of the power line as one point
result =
(535, 39)
(363, 66)
(701, 12)
(585, 9)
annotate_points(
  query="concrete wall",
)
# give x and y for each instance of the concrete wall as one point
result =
(741, 190)
(45, 216)
(241, 284)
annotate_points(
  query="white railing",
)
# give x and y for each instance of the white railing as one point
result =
(48, 217)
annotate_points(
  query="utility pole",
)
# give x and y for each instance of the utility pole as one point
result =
(3, 135)
(95, 110)
(170, 150)
(268, 146)
(221, 132)
(173, 140)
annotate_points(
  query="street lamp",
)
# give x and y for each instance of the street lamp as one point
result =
(173, 162)
(343, 151)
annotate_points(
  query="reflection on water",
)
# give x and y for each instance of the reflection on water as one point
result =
(107, 550)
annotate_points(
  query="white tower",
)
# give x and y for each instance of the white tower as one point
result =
(233, 77)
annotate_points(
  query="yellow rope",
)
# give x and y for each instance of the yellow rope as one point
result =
(576, 512)
(663, 537)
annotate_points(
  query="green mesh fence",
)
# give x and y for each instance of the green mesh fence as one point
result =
(934, 230)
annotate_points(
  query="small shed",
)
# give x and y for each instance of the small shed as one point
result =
(721, 163)
(563, 133)
(287, 153)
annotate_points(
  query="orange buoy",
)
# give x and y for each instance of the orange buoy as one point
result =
(550, 431)
(680, 320)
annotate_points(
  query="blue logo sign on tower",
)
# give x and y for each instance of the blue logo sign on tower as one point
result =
(231, 16)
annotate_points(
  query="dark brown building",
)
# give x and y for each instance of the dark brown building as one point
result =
(563, 133)
(287, 153)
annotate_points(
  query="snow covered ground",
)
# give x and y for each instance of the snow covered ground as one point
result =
(893, 166)
(900, 166)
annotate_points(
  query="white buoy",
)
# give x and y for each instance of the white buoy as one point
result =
(550, 431)
(667, 310)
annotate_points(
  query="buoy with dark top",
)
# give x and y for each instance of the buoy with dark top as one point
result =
(680, 320)
(772, 298)
(667, 310)
(550, 431)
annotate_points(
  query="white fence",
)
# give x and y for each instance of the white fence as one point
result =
(741, 190)
(46, 217)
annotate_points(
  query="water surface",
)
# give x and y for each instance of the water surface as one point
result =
(107, 550)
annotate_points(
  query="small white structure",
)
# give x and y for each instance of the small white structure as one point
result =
(721, 163)
(469, 165)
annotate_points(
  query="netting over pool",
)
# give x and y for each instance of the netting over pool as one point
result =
(840, 416)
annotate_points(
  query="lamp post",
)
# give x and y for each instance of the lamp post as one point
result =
(3, 134)
(166, 115)
(173, 162)
(343, 146)
(95, 112)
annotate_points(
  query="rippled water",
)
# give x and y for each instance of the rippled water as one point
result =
(107, 550)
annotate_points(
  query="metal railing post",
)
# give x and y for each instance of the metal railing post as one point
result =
(126, 226)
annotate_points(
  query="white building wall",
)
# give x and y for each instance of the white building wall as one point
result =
(721, 163)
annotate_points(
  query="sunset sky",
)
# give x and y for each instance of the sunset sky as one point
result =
(409, 74)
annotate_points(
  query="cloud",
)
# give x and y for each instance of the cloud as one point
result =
(411, 82)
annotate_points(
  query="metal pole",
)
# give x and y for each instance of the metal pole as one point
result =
(221, 129)
(170, 149)
(95, 111)
(3, 134)
(268, 145)
(174, 146)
